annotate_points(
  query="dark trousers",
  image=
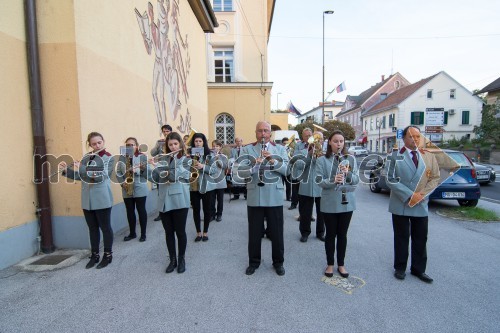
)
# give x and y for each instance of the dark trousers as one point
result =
(404, 227)
(295, 192)
(131, 204)
(99, 218)
(274, 219)
(206, 199)
(306, 208)
(174, 223)
(288, 187)
(336, 225)
(236, 190)
(217, 201)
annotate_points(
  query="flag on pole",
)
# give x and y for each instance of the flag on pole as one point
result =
(341, 87)
(293, 110)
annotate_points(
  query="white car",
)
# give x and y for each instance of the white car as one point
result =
(357, 150)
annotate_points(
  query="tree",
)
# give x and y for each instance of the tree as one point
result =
(489, 130)
(330, 126)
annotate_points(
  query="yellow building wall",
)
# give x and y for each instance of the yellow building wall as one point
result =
(96, 76)
(18, 194)
(246, 105)
(279, 119)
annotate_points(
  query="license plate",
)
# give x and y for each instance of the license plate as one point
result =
(483, 177)
(448, 195)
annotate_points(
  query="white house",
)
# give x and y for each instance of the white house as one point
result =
(419, 104)
(331, 110)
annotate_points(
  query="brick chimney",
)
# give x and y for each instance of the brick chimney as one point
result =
(383, 77)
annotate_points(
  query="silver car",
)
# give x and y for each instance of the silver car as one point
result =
(357, 151)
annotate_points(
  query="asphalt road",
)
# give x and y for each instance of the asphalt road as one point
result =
(491, 191)
(214, 295)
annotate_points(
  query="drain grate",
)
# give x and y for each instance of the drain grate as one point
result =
(51, 260)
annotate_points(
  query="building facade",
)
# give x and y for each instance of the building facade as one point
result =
(414, 104)
(118, 68)
(239, 94)
(331, 110)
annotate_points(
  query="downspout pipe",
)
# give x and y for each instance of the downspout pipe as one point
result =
(39, 150)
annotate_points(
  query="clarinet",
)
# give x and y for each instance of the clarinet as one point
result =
(261, 170)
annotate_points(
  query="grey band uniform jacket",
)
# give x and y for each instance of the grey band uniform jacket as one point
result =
(96, 186)
(271, 194)
(404, 179)
(331, 200)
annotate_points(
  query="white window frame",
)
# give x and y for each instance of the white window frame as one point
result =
(225, 125)
(222, 5)
(224, 58)
(453, 93)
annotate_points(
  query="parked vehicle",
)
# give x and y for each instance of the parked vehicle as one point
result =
(357, 151)
(485, 174)
(461, 186)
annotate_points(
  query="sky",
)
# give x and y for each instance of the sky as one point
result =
(365, 39)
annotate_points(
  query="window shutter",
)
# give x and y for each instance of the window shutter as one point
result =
(421, 118)
(412, 120)
(446, 117)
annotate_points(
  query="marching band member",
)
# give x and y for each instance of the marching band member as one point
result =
(135, 188)
(97, 198)
(309, 190)
(201, 187)
(235, 153)
(172, 176)
(411, 177)
(337, 207)
(218, 193)
(306, 134)
(159, 148)
(265, 195)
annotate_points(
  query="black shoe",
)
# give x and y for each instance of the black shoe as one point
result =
(344, 275)
(172, 265)
(400, 275)
(107, 257)
(142, 239)
(212, 218)
(94, 259)
(303, 239)
(250, 270)
(204, 238)
(328, 274)
(235, 197)
(218, 218)
(197, 239)
(280, 270)
(129, 237)
(292, 206)
(288, 199)
(182, 265)
(422, 276)
(158, 218)
(321, 237)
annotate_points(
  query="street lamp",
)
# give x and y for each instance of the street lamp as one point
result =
(323, 94)
(277, 103)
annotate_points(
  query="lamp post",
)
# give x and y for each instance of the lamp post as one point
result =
(323, 94)
(277, 103)
(379, 124)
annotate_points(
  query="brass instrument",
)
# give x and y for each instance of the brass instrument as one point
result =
(128, 184)
(261, 170)
(196, 154)
(190, 137)
(317, 150)
(290, 146)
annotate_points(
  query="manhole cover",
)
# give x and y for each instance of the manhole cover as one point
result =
(51, 260)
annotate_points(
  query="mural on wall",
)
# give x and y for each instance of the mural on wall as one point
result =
(171, 62)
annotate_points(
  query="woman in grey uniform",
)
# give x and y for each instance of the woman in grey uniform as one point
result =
(172, 176)
(94, 172)
(336, 206)
(134, 193)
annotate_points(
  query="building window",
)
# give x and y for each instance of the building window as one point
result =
(452, 93)
(223, 5)
(429, 93)
(417, 118)
(445, 122)
(465, 117)
(391, 120)
(397, 85)
(371, 124)
(224, 128)
(383, 122)
(366, 125)
(224, 65)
